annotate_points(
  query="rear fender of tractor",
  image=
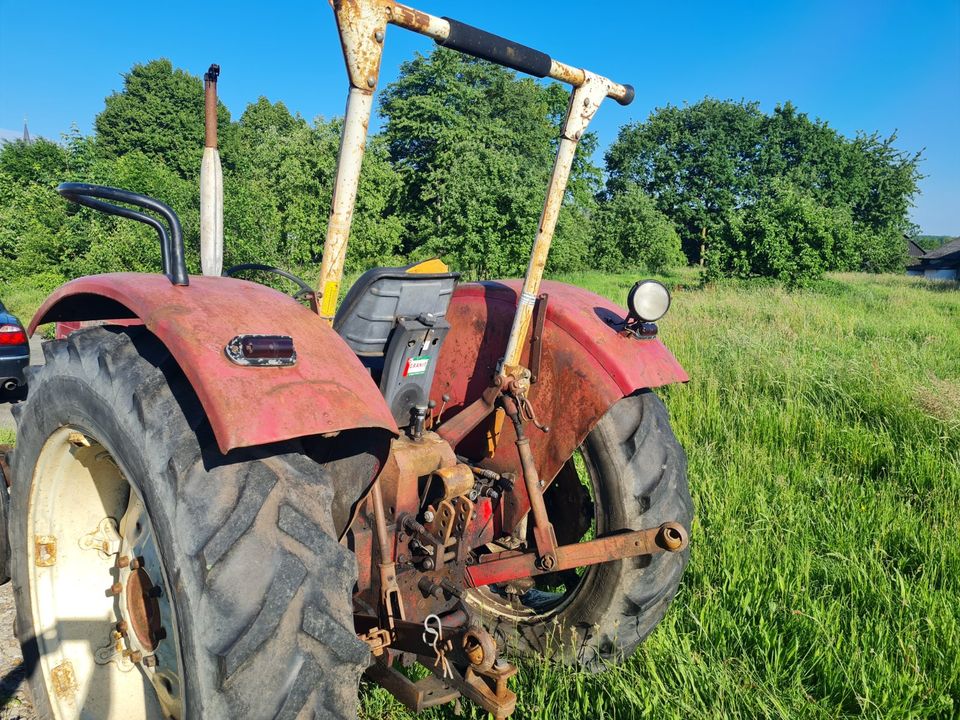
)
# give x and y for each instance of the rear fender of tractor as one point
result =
(327, 390)
(586, 365)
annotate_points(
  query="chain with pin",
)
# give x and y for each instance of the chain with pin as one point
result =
(528, 414)
(436, 643)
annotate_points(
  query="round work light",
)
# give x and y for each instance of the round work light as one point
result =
(648, 300)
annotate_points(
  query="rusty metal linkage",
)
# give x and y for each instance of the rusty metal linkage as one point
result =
(510, 565)
(543, 533)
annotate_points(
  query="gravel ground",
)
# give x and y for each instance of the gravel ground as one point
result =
(14, 701)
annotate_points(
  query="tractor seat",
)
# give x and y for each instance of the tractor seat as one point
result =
(384, 295)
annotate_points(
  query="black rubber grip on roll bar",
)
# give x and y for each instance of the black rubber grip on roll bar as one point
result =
(171, 244)
(487, 46)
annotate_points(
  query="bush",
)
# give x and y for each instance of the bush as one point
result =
(631, 231)
(785, 235)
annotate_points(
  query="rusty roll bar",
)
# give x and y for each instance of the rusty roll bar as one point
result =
(362, 25)
(487, 46)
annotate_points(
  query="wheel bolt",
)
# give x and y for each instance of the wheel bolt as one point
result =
(134, 655)
(115, 589)
(122, 628)
(150, 661)
(428, 516)
(123, 561)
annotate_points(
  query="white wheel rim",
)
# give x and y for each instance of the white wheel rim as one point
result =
(87, 533)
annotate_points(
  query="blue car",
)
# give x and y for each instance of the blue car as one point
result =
(14, 351)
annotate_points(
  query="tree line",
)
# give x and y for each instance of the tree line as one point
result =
(458, 169)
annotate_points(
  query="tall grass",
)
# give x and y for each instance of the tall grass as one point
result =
(823, 434)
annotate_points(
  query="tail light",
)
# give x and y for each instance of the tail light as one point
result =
(262, 350)
(12, 335)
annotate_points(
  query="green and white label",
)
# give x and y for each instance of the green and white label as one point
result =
(416, 365)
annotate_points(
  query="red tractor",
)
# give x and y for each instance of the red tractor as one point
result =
(228, 505)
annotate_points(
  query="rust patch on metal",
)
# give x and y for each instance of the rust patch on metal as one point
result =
(362, 25)
(78, 439)
(327, 390)
(457, 480)
(409, 18)
(536, 338)
(64, 680)
(480, 648)
(45, 551)
(143, 609)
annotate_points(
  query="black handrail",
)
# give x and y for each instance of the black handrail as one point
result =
(171, 244)
(259, 267)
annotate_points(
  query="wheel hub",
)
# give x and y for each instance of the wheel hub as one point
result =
(143, 609)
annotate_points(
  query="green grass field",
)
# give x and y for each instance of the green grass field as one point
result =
(823, 434)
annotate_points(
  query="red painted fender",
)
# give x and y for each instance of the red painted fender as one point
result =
(326, 391)
(586, 366)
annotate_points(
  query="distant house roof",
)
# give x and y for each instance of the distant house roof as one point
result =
(945, 256)
(914, 253)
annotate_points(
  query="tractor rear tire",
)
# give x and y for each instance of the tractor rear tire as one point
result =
(4, 519)
(638, 473)
(254, 589)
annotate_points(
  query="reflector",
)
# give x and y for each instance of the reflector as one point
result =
(262, 350)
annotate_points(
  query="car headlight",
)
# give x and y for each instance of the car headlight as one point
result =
(648, 300)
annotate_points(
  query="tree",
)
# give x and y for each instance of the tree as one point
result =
(474, 145)
(697, 162)
(39, 161)
(160, 113)
(632, 231)
(723, 170)
(286, 166)
(786, 235)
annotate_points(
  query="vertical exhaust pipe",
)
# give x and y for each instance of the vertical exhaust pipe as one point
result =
(211, 183)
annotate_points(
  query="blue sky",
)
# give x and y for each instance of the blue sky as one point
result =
(873, 66)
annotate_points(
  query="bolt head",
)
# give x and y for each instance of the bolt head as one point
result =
(428, 516)
(115, 589)
(371, 81)
(150, 661)
(378, 36)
